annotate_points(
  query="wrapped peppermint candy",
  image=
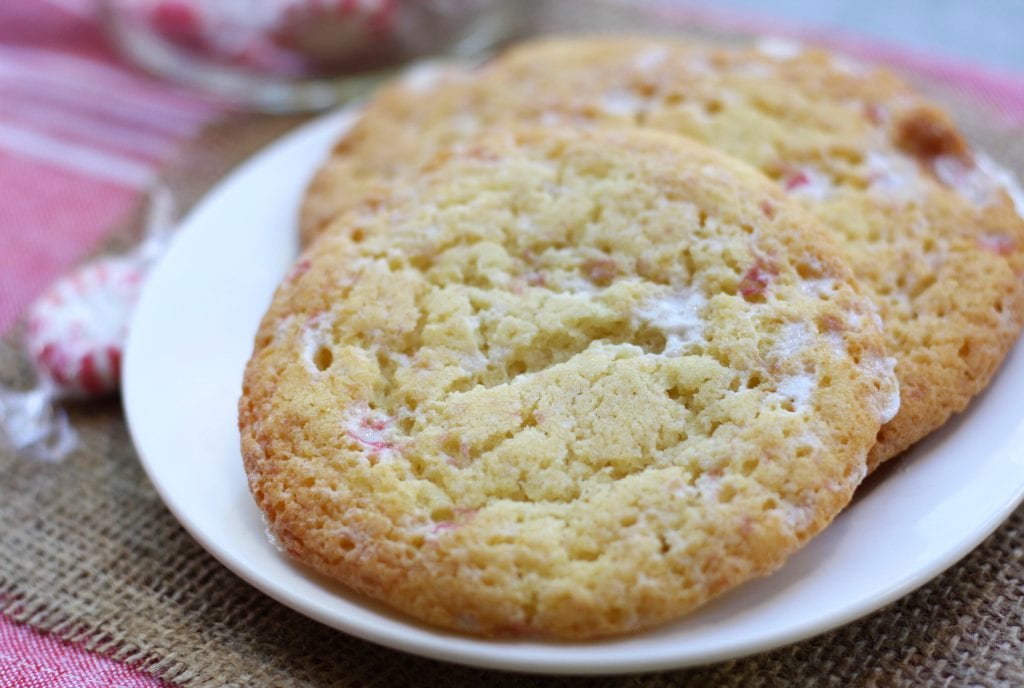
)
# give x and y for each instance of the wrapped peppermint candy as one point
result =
(75, 336)
(301, 54)
(299, 38)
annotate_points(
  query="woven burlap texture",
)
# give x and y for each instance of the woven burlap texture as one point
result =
(89, 553)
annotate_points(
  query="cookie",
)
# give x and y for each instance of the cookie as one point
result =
(563, 383)
(354, 177)
(928, 225)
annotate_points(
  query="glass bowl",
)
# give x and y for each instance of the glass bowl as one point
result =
(295, 55)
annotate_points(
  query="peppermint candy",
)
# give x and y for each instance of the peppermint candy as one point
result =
(277, 36)
(77, 328)
(75, 337)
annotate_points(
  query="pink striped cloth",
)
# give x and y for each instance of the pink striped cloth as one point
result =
(32, 660)
(81, 135)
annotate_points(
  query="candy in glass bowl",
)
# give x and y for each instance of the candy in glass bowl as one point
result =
(289, 55)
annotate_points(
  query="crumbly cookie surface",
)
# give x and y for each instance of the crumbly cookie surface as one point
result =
(928, 225)
(563, 384)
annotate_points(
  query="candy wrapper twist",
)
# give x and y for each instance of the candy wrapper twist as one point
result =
(74, 338)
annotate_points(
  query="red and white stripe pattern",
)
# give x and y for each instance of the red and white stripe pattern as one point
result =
(29, 659)
(81, 134)
(77, 328)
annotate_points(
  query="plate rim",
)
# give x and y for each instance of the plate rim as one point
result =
(484, 653)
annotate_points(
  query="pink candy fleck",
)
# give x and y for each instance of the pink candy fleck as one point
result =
(462, 515)
(298, 270)
(601, 270)
(372, 431)
(535, 279)
(874, 113)
(998, 242)
(756, 279)
(795, 180)
(805, 181)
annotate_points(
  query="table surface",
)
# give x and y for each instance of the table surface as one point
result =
(81, 137)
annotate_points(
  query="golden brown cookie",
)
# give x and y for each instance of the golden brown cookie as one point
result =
(563, 383)
(926, 223)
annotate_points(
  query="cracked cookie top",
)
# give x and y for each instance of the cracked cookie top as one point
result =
(563, 383)
(932, 229)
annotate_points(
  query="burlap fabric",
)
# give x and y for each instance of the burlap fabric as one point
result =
(89, 553)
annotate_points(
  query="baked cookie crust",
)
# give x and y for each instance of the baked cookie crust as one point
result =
(929, 225)
(563, 383)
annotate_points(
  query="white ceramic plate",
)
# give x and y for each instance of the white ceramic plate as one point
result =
(183, 368)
